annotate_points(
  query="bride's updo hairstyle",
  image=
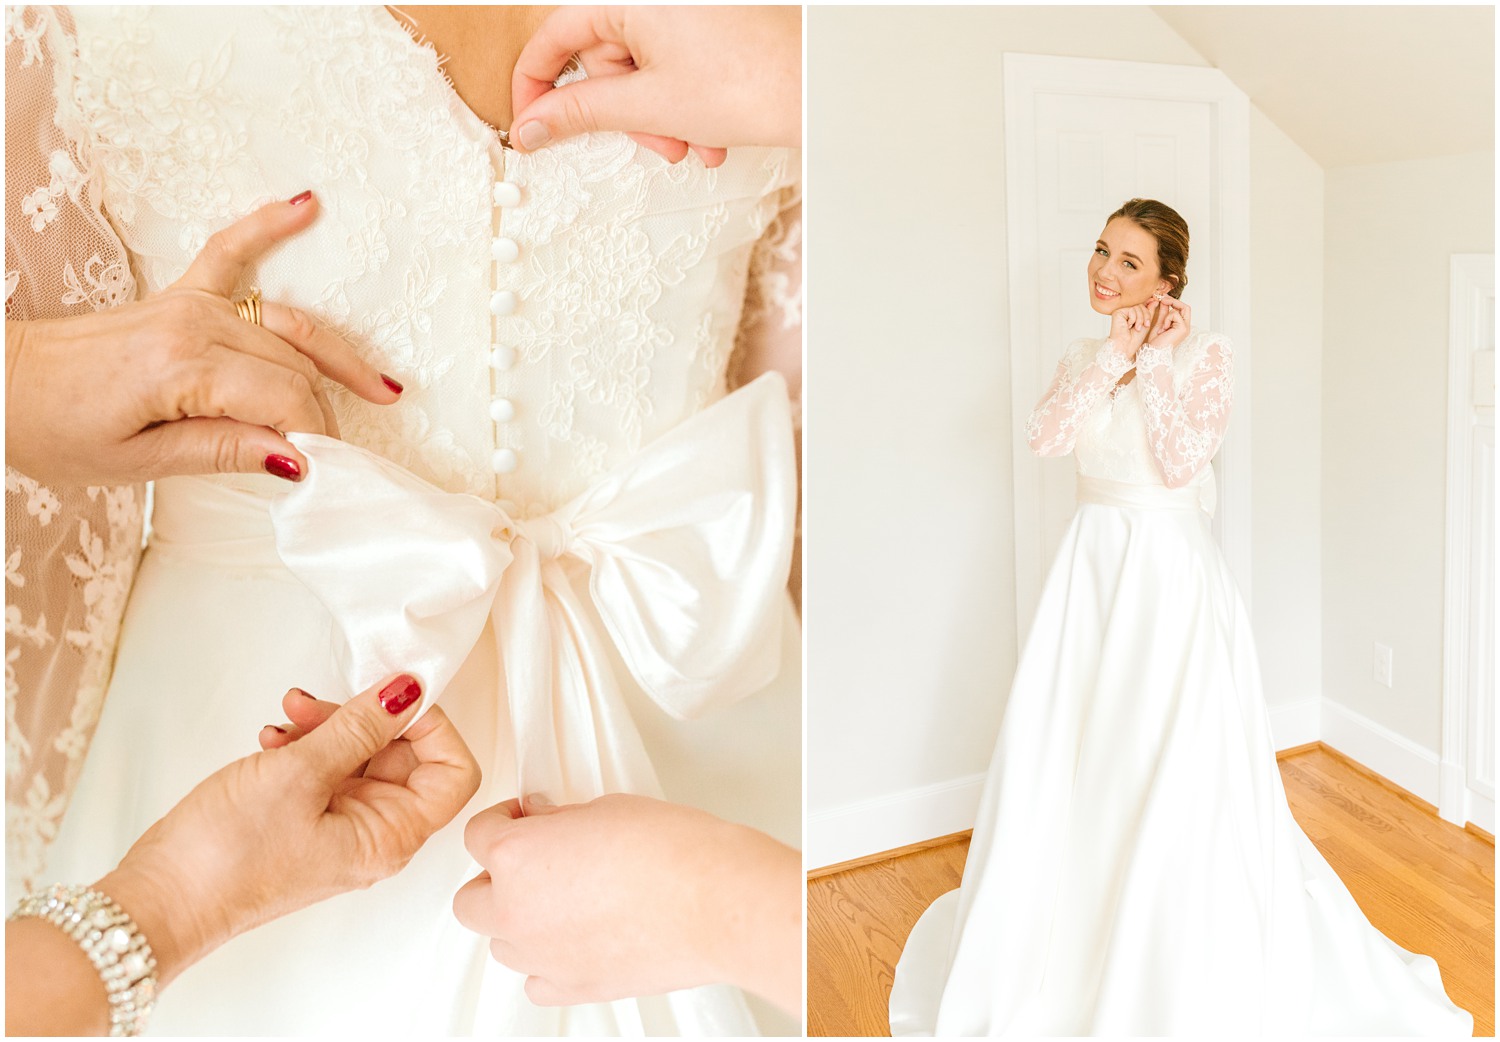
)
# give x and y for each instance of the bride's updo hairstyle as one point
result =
(1171, 233)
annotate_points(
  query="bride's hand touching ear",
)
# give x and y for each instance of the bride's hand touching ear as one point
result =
(1175, 325)
(1128, 327)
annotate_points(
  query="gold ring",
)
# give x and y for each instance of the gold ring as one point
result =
(249, 308)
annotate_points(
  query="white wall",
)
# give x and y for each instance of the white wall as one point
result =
(1286, 317)
(910, 611)
(1390, 230)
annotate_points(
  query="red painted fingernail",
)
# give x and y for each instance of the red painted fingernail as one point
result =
(283, 467)
(397, 696)
(300, 198)
(392, 384)
(278, 730)
(299, 693)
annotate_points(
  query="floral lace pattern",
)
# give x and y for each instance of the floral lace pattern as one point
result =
(1084, 376)
(1186, 415)
(770, 334)
(70, 553)
(631, 272)
(1161, 428)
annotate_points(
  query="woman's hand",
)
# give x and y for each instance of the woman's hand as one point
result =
(285, 828)
(670, 76)
(1176, 324)
(627, 896)
(179, 383)
(1128, 327)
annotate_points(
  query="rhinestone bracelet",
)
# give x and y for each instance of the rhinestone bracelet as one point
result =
(113, 943)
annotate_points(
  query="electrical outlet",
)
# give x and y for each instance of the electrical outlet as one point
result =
(1382, 664)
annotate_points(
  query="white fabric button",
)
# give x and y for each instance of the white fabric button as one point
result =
(502, 357)
(502, 410)
(502, 302)
(505, 250)
(507, 195)
(503, 461)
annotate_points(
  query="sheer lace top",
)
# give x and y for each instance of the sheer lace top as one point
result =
(1162, 428)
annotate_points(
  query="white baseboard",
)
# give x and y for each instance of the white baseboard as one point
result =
(1452, 786)
(1462, 805)
(1482, 812)
(858, 830)
(1388, 754)
(1297, 723)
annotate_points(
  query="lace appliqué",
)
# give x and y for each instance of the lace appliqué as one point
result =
(70, 553)
(774, 285)
(158, 136)
(1084, 377)
(770, 329)
(67, 580)
(1186, 402)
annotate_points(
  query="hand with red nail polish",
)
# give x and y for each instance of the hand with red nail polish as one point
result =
(336, 802)
(627, 896)
(178, 383)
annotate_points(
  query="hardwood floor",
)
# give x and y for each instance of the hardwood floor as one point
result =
(1428, 885)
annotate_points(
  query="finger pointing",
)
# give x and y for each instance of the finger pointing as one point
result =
(222, 261)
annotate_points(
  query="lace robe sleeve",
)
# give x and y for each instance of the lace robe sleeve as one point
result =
(770, 333)
(70, 553)
(1084, 377)
(1187, 412)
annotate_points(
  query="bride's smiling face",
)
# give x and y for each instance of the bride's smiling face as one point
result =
(1124, 271)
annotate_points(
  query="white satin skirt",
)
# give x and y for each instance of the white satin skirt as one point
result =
(1135, 868)
(216, 631)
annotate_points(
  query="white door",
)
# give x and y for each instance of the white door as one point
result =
(1468, 777)
(1082, 137)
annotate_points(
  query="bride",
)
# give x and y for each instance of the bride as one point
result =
(575, 526)
(1135, 869)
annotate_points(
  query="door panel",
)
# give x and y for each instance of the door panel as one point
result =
(1082, 137)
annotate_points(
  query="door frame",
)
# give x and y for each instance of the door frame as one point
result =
(1470, 276)
(1027, 76)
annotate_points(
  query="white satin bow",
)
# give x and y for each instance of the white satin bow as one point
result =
(688, 546)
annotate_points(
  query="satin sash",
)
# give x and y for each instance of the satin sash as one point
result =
(1147, 497)
(687, 547)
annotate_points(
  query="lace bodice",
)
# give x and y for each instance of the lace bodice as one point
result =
(548, 314)
(1162, 428)
(558, 309)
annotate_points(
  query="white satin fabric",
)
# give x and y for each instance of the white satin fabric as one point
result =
(687, 549)
(1134, 868)
(553, 642)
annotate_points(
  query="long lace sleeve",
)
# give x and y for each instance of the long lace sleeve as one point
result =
(70, 553)
(1080, 384)
(1186, 423)
(770, 332)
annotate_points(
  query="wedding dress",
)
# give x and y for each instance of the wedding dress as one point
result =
(1135, 868)
(572, 527)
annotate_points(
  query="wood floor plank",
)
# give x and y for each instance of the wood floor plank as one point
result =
(1425, 883)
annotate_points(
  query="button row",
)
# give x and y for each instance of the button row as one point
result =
(504, 250)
